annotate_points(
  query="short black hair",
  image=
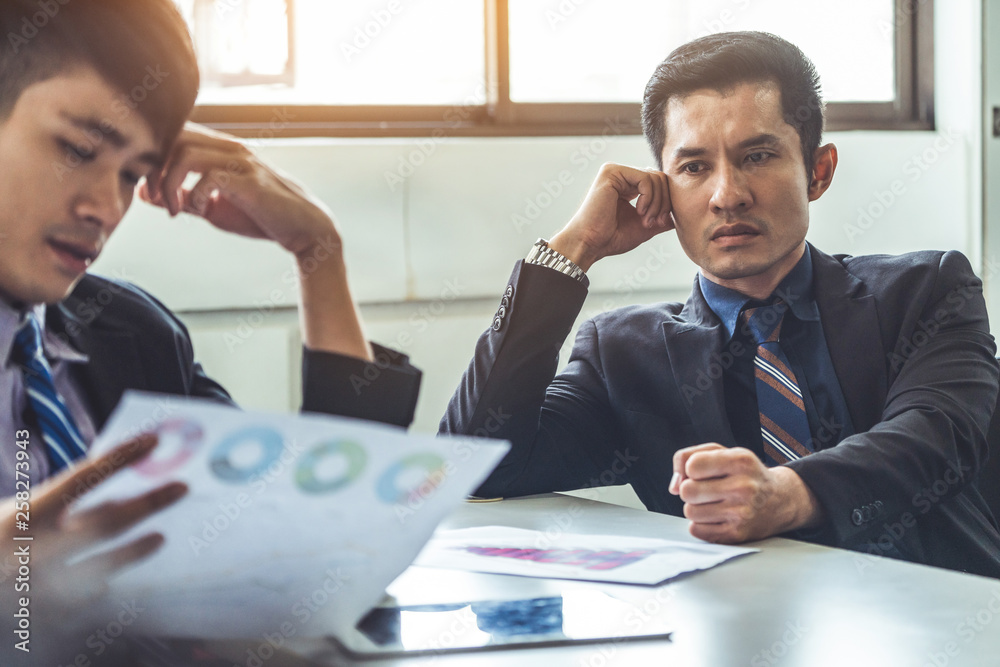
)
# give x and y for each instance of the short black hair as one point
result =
(722, 61)
(141, 47)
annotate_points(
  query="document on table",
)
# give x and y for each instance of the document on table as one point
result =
(606, 558)
(293, 525)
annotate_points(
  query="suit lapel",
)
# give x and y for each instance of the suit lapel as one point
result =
(114, 366)
(851, 326)
(692, 340)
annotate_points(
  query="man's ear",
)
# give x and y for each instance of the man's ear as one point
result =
(824, 164)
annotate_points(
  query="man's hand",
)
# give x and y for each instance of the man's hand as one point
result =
(239, 193)
(58, 537)
(731, 497)
(607, 223)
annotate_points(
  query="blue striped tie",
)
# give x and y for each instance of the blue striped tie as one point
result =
(784, 427)
(63, 443)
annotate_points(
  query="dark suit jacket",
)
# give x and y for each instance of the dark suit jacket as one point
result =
(910, 344)
(135, 342)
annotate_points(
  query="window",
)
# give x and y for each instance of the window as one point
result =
(527, 67)
(243, 45)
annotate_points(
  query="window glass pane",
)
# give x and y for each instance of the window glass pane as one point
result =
(343, 52)
(605, 50)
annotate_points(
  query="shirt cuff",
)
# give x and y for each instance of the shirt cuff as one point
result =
(383, 390)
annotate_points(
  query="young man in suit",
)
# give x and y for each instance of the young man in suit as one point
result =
(93, 102)
(842, 400)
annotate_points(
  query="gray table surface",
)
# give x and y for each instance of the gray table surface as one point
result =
(792, 603)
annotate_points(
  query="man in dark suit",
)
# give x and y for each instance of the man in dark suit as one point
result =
(842, 400)
(93, 102)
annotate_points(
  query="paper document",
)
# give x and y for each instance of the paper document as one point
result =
(292, 523)
(605, 558)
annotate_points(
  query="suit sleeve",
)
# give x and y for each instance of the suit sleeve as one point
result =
(931, 438)
(559, 427)
(384, 390)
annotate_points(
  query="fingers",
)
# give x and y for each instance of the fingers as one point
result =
(681, 458)
(199, 150)
(53, 496)
(88, 580)
(726, 494)
(653, 204)
(219, 168)
(100, 566)
(718, 533)
(111, 518)
(649, 186)
(202, 195)
(713, 462)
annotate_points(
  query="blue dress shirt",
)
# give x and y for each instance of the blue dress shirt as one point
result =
(802, 341)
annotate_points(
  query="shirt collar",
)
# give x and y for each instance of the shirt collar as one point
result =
(56, 349)
(796, 289)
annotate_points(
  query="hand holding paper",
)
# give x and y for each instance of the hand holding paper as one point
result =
(301, 520)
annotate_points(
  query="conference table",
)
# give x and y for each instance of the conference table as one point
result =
(791, 603)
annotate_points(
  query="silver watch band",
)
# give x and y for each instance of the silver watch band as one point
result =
(542, 255)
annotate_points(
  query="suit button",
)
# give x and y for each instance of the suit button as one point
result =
(505, 302)
(502, 313)
(509, 293)
(497, 323)
(857, 518)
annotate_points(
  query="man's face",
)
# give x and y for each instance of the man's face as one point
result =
(738, 185)
(70, 160)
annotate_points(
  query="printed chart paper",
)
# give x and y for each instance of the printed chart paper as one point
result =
(605, 558)
(293, 525)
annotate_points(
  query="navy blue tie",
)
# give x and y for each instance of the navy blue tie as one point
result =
(784, 427)
(63, 443)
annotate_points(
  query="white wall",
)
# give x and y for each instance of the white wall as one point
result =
(990, 153)
(432, 229)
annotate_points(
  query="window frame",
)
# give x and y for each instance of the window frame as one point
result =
(912, 109)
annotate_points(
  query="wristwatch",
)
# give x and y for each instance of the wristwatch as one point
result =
(542, 255)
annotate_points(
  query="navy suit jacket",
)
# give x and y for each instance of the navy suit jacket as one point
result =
(910, 343)
(135, 342)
